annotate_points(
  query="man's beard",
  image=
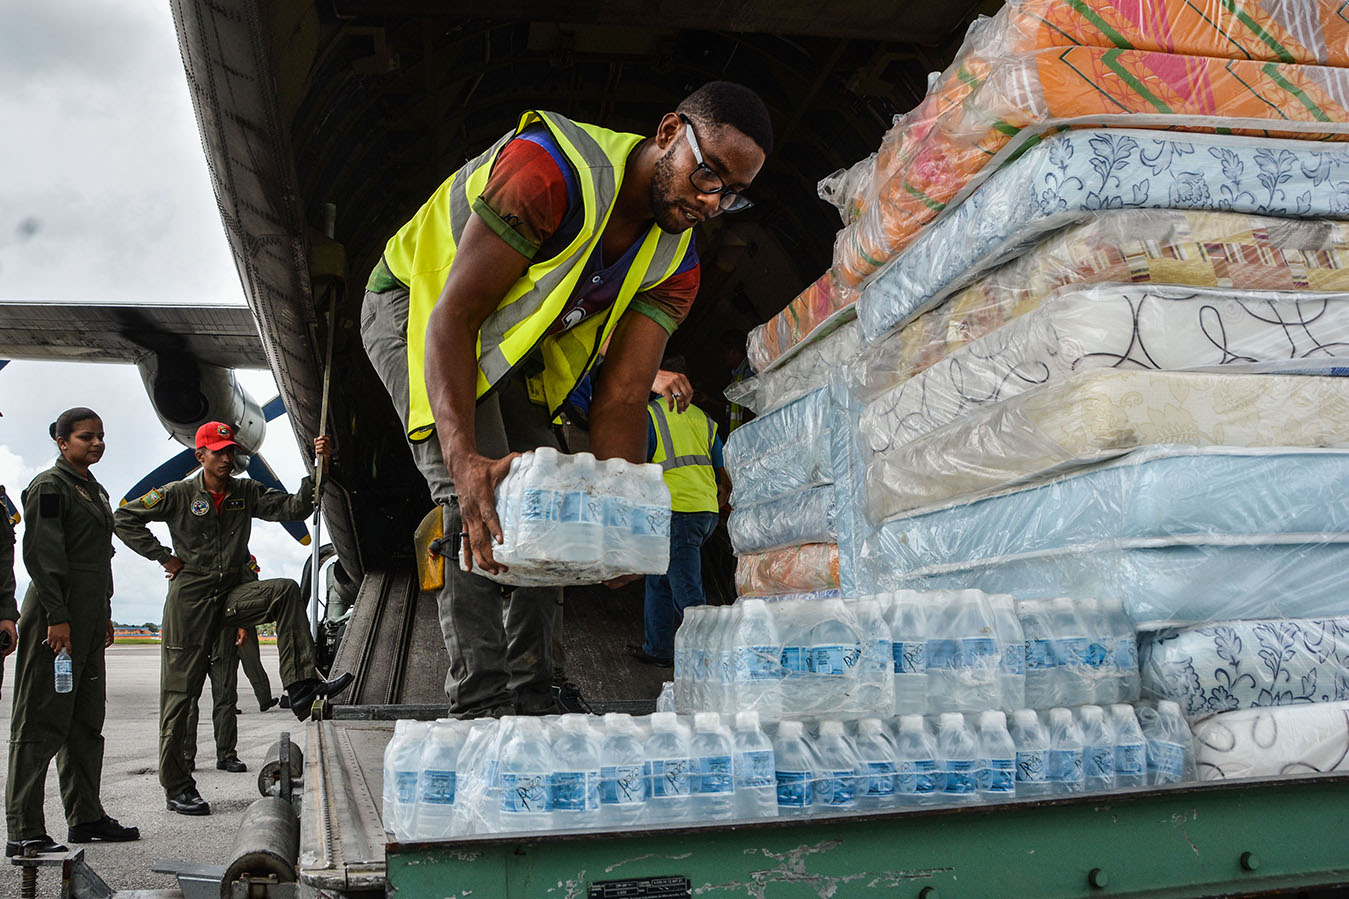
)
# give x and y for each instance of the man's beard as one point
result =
(669, 215)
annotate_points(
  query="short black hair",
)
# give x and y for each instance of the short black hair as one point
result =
(728, 103)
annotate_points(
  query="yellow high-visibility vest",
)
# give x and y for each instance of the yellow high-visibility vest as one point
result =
(684, 453)
(421, 253)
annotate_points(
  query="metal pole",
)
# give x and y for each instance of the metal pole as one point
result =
(329, 228)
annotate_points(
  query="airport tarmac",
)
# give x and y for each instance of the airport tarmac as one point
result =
(131, 791)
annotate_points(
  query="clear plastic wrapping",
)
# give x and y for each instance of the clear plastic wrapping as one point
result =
(1274, 742)
(1158, 246)
(1247, 664)
(1072, 176)
(806, 516)
(1116, 326)
(808, 568)
(1098, 415)
(782, 452)
(575, 520)
(814, 312)
(803, 373)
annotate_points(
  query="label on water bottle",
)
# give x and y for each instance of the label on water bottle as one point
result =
(794, 659)
(978, 652)
(1032, 766)
(574, 791)
(998, 776)
(1040, 655)
(754, 769)
(958, 778)
(1166, 761)
(917, 777)
(1126, 653)
(1070, 651)
(836, 788)
(726, 666)
(879, 780)
(833, 660)
(1065, 766)
(1098, 654)
(539, 505)
(524, 793)
(618, 514)
(756, 663)
(1130, 759)
(941, 654)
(651, 521)
(793, 788)
(669, 778)
(622, 785)
(1099, 761)
(405, 786)
(579, 507)
(713, 775)
(438, 787)
(910, 657)
(1013, 659)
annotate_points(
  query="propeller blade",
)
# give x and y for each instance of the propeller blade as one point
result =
(4, 362)
(260, 471)
(173, 469)
(275, 408)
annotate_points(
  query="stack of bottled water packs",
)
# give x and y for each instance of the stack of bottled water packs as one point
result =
(570, 519)
(902, 653)
(453, 779)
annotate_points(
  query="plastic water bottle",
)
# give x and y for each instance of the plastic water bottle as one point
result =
(996, 780)
(1042, 671)
(402, 772)
(876, 679)
(755, 769)
(622, 772)
(1168, 740)
(1070, 651)
(1065, 752)
(65, 672)
(908, 646)
(793, 631)
(957, 758)
(1102, 676)
(525, 770)
(1098, 749)
(651, 520)
(1125, 637)
(728, 620)
(575, 782)
(877, 765)
(400, 768)
(713, 771)
(836, 777)
(963, 656)
(618, 537)
(1131, 754)
(667, 769)
(690, 664)
(535, 475)
(437, 780)
(915, 762)
(1032, 754)
(795, 771)
(834, 650)
(1012, 662)
(757, 653)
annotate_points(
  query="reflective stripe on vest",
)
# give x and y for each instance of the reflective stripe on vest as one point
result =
(684, 458)
(421, 253)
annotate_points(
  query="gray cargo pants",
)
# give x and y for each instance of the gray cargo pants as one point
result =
(499, 638)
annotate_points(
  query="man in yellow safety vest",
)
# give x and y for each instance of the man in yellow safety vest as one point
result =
(492, 303)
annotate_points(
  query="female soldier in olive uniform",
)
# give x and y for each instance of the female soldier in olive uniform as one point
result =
(67, 549)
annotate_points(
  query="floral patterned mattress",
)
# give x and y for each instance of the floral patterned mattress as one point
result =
(1268, 742)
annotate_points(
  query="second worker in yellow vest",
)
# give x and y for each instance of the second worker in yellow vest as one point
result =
(495, 300)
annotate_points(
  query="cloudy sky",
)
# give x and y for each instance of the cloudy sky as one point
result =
(104, 196)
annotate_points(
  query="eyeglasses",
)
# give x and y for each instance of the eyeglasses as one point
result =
(705, 180)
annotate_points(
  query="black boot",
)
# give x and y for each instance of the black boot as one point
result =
(303, 694)
(32, 846)
(189, 802)
(106, 829)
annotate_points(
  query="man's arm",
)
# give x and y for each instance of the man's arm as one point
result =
(131, 524)
(618, 416)
(484, 268)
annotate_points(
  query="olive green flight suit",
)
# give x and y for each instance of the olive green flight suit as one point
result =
(224, 677)
(67, 549)
(211, 593)
(250, 657)
(9, 610)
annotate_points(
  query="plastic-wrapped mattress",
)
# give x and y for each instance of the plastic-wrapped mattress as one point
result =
(1072, 176)
(1137, 246)
(1098, 415)
(809, 568)
(806, 516)
(803, 372)
(1247, 664)
(1117, 326)
(1274, 742)
(782, 452)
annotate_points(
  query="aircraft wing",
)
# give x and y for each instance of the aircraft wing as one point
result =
(213, 333)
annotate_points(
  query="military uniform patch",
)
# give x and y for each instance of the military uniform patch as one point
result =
(200, 507)
(84, 493)
(234, 505)
(152, 499)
